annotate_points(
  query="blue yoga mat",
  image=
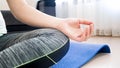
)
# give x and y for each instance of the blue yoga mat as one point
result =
(80, 53)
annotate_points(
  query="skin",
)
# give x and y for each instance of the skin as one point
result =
(69, 26)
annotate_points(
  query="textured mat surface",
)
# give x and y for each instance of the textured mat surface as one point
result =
(80, 53)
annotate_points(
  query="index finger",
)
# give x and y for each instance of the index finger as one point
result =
(84, 21)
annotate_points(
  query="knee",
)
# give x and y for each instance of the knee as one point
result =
(48, 33)
(51, 38)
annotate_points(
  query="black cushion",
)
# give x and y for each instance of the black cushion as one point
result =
(13, 24)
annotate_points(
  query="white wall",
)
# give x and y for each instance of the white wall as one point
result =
(104, 13)
(4, 6)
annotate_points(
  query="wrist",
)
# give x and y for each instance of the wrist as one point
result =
(58, 23)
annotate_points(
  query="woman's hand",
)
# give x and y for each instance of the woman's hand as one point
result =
(72, 28)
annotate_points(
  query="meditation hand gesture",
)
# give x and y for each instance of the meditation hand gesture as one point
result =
(72, 28)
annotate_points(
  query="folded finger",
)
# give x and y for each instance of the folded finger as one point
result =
(91, 29)
(84, 35)
(88, 32)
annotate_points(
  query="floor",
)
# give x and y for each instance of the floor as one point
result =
(102, 60)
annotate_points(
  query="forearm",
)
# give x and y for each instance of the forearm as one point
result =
(70, 27)
(29, 15)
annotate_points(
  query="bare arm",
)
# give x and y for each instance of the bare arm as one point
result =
(29, 15)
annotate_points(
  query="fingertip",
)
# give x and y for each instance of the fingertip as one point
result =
(91, 22)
